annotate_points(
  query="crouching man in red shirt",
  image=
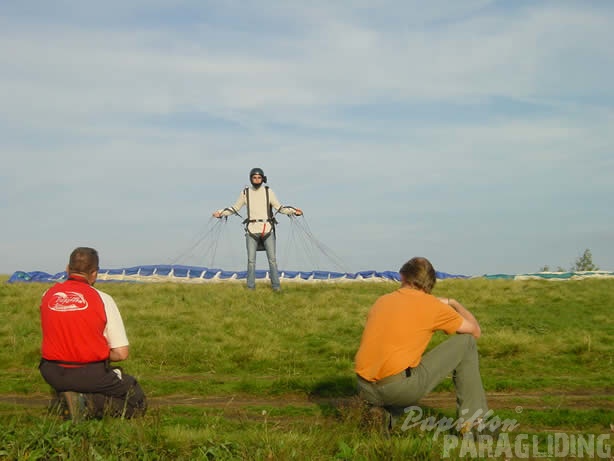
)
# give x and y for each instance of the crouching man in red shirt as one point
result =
(82, 333)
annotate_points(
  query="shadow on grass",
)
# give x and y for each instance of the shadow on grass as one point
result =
(337, 386)
(334, 395)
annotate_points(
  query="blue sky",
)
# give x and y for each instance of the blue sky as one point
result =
(477, 133)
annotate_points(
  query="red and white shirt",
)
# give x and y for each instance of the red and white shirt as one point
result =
(80, 323)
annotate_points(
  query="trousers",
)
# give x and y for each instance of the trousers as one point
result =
(458, 356)
(269, 247)
(114, 391)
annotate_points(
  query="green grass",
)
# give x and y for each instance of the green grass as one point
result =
(233, 374)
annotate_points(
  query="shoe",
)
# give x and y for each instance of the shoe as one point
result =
(59, 407)
(378, 419)
(77, 405)
(277, 289)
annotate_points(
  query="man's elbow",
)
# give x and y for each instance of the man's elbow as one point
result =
(119, 354)
(123, 355)
(471, 328)
(475, 330)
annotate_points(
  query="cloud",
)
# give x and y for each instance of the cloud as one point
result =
(411, 112)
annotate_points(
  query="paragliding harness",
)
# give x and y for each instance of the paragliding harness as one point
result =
(260, 238)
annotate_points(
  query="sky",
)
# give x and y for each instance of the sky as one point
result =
(476, 133)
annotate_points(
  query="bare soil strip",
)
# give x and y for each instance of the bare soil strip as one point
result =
(589, 399)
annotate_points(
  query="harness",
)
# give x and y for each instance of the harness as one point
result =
(270, 219)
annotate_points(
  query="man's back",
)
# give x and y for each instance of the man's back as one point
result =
(73, 321)
(398, 329)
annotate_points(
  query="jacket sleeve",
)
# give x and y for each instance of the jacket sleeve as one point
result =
(114, 331)
(287, 210)
(241, 201)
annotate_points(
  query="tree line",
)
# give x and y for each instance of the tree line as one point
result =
(584, 262)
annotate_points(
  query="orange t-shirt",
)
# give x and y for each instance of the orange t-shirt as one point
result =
(398, 330)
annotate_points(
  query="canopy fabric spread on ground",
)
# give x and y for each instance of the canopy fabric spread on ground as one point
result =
(195, 274)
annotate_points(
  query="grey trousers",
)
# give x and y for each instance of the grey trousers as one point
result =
(458, 356)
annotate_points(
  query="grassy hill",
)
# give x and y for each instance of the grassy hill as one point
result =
(234, 374)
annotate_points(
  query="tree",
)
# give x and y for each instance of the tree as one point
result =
(547, 268)
(584, 262)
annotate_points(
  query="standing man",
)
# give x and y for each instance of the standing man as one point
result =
(391, 369)
(82, 333)
(259, 224)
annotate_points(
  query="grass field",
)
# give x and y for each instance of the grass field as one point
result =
(232, 374)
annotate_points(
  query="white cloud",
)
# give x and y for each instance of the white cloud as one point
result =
(499, 109)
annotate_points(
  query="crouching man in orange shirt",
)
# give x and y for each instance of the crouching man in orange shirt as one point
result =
(391, 369)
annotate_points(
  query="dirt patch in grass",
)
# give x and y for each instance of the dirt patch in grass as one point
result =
(576, 400)
(293, 412)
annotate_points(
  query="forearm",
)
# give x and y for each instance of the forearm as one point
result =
(462, 310)
(118, 354)
(466, 315)
(288, 210)
(225, 212)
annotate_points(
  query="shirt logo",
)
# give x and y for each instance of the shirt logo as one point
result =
(69, 301)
